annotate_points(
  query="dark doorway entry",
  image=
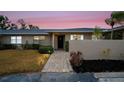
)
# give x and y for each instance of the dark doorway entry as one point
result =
(61, 42)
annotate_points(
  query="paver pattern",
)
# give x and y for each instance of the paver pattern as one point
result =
(58, 62)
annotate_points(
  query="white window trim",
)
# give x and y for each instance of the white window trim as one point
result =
(72, 37)
(39, 38)
(16, 39)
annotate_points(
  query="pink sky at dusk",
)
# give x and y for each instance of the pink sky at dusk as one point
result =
(60, 19)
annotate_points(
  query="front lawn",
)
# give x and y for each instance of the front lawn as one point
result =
(19, 61)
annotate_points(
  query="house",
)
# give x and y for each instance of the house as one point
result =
(54, 37)
(118, 33)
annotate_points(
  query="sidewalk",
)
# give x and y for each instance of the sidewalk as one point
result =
(58, 62)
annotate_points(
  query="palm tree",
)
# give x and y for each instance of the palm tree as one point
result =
(118, 17)
(110, 22)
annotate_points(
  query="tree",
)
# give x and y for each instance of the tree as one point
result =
(13, 26)
(97, 32)
(4, 22)
(110, 22)
(115, 18)
(22, 23)
(33, 27)
(118, 17)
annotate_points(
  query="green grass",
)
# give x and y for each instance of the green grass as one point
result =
(20, 61)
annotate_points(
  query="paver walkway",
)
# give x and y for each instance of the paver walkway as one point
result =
(58, 62)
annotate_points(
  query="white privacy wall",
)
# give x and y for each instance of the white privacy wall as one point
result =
(99, 49)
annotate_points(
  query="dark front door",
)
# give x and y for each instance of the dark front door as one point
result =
(61, 42)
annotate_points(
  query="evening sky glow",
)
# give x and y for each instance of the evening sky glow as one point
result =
(60, 19)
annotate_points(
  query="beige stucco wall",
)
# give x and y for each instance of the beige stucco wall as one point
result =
(98, 49)
(7, 40)
(30, 40)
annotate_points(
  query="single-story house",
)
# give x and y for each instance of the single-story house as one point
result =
(54, 37)
(118, 33)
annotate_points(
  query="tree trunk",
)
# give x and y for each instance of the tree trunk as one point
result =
(112, 33)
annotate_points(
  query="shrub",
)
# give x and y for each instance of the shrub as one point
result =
(46, 50)
(1, 46)
(27, 45)
(75, 60)
(66, 46)
(9, 46)
(35, 46)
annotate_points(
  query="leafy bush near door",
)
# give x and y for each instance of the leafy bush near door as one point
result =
(66, 46)
(46, 50)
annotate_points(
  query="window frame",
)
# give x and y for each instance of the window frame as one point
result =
(16, 40)
(76, 37)
(39, 38)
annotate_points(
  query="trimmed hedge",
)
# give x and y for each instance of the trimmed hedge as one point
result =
(41, 49)
(7, 46)
(66, 46)
(46, 50)
(31, 46)
(35, 46)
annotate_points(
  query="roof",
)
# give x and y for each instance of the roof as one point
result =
(44, 31)
(119, 28)
(71, 30)
(22, 32)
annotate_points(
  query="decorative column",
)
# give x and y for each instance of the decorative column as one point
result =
(53, 39)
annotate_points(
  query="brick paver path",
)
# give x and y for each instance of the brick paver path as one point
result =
(58, 62)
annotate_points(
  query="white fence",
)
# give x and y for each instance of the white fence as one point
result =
(99, 49)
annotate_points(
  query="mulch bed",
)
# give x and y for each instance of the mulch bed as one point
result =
(100, 66)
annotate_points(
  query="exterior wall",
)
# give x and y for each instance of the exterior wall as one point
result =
(123, 34)
(67, 37)
(7, 40)
(27, 38)
(0, 39)
(56, 42)
(99, 49)
(87, 36)
(30, 40)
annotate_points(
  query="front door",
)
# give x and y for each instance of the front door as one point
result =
(61, 42)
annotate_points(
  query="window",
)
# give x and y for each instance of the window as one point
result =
(13, 40)
(77, 37)
(36, 38)
(16, 39)
(39, 38)
(94, 37)
(19, 40)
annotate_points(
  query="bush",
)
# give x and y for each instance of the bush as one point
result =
(35, 46)
(46, 50)
(7, 46)
(31, 46)
(1, 46)
(66, 46)
(75, 60)
(27, 45)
